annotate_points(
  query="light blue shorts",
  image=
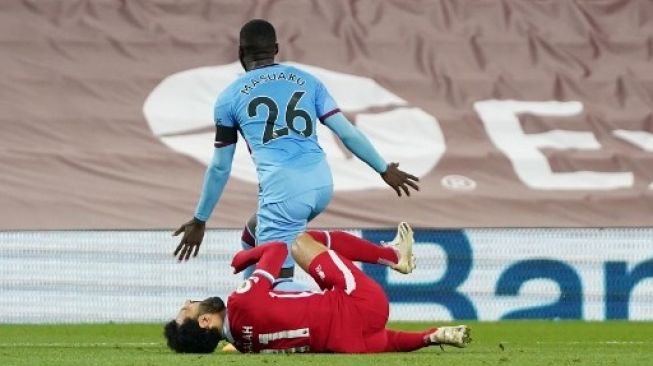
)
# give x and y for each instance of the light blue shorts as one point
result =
(284, 221)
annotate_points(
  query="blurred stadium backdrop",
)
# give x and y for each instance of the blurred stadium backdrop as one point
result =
(530, 124)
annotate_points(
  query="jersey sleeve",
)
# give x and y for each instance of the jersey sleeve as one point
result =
(325, 105)
(355, 141)
(268, 259)
(226, 126)
(259, 282)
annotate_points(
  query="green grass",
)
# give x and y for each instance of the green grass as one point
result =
(503, 343)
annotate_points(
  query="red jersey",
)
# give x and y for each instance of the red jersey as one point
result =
(337, 319)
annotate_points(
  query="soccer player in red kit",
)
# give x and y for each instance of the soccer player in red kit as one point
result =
(348, 315)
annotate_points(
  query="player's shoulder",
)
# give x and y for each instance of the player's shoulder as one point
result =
(240, 294)
(229, 92)
(248, 285)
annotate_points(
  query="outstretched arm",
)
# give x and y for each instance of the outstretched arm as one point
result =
(215, 179)
(268, 258)
(360, 146)
(355, 141)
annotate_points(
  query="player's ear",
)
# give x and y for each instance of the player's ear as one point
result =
(276, 48)
(241, 57)
(204, 321)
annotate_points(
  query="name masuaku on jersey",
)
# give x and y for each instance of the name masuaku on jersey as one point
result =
(249, 86)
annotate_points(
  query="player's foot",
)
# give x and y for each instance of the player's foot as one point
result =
(458, 336)
(229, 348)
(403, 244)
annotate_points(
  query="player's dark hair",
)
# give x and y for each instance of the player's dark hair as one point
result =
(211, 305)
(258, 36)
(190, 338)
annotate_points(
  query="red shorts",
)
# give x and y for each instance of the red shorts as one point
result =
(361, 307)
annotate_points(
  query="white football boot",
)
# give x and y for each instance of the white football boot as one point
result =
(458, 336)
(403, 244)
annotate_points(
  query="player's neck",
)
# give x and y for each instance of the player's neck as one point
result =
(255, 64)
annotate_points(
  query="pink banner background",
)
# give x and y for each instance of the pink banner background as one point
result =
(76, 151)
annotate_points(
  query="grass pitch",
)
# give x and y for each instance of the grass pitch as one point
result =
(502, 343)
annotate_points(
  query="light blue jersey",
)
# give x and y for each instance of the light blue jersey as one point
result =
(276, 108)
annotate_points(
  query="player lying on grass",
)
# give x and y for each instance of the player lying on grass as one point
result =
(349, 315)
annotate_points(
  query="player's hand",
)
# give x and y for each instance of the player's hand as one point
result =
(191, 240)
(241, 261)
(399, 180)
(245, 258)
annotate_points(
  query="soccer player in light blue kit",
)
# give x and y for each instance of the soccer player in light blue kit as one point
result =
(275, 108)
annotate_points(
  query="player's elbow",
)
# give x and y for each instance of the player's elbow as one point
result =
(344, 129)
(348, 136)
(219, 169)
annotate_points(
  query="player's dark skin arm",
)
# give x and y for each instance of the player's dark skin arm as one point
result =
(399, 180)
(191, 240)
(194, 229)
(357, 144)
(194, 234)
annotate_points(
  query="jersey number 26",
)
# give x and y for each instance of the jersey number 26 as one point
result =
(270, 132)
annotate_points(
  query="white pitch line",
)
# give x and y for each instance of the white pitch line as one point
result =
(583, 342)
(598, 342)
(81, 345)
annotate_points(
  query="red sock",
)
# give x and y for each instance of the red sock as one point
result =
(355, 248)
(406, 341)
